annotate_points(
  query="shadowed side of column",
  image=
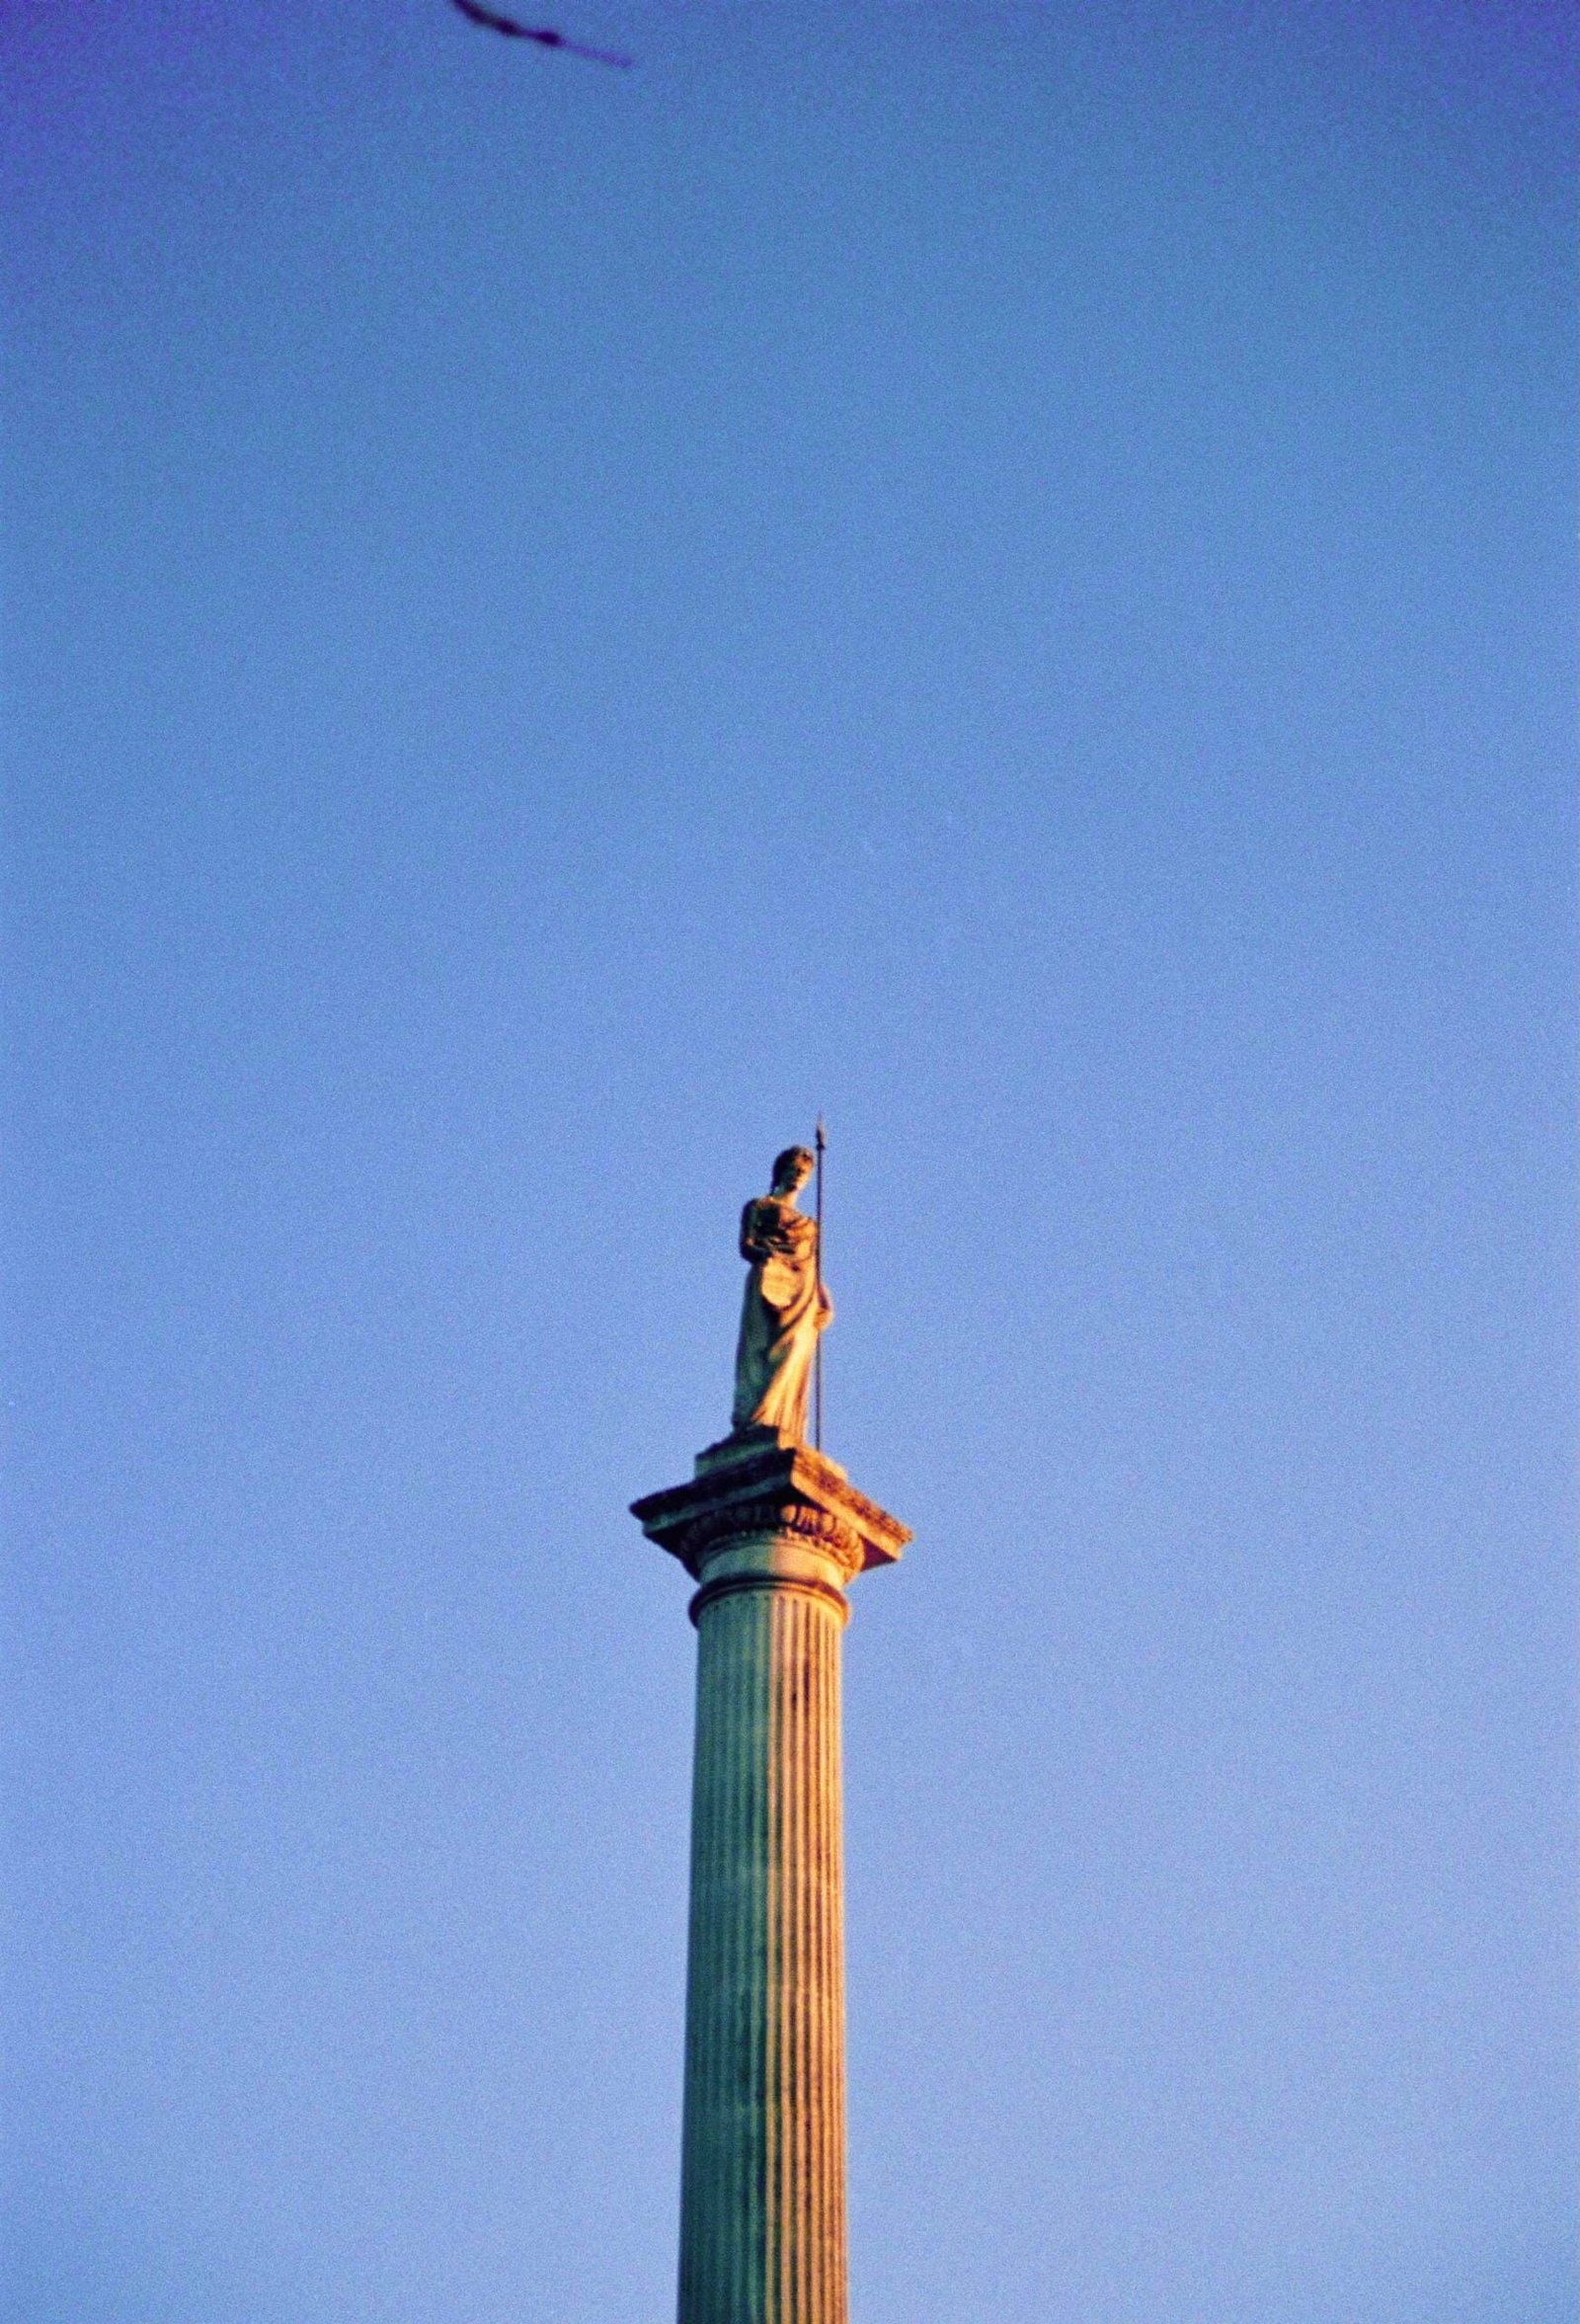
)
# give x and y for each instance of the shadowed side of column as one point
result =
(722, 2166)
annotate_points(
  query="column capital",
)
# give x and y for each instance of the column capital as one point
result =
(759, 1482)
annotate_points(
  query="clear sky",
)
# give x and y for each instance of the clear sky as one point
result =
(1001, 570)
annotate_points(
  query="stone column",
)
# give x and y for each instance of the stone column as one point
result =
(772, 1533)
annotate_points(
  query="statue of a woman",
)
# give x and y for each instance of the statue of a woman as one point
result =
(785, 1305)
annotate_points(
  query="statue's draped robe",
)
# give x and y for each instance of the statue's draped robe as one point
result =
(781, 1316)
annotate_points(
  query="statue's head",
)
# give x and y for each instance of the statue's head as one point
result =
(792, 1169)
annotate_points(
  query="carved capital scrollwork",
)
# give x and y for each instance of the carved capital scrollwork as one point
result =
(806, 1523)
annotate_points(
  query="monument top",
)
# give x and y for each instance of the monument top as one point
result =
(760, 1479)
(764, 1476)
(785, 1309)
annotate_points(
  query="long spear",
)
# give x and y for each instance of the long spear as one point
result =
(817, 1357)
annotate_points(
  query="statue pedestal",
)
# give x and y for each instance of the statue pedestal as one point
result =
(771, 1532)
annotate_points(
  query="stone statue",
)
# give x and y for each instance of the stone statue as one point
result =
(785, 1305)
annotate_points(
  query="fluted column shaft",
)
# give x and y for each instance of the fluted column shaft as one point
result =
(773, 1531)
(763, 2208)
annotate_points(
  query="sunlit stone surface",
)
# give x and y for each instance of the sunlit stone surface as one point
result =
(772, 1532)
(785, 1307)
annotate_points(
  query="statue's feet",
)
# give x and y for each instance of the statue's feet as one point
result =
(740, 1443)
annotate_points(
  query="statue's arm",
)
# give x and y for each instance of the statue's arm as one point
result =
(767, 1232)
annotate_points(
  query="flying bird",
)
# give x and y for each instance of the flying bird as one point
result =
(513, 31)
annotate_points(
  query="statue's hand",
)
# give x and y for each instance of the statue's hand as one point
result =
(779, 1285)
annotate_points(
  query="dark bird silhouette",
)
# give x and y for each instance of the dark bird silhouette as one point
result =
(545, 40)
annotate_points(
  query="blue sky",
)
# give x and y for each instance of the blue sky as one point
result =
(1001, 571)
